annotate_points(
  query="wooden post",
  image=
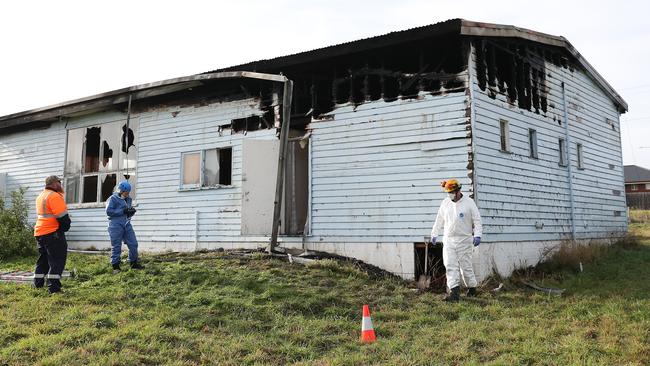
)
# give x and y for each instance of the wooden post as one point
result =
(284, 138)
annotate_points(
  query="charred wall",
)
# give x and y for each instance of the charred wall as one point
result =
(517, 70)
(389, 73)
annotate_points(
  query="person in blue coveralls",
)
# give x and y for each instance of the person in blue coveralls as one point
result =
(119, 211)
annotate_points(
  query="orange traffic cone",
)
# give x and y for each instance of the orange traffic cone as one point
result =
(367, 332)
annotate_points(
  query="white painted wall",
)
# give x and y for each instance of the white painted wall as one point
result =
(376, 171)
(516, 194)
(29, 157)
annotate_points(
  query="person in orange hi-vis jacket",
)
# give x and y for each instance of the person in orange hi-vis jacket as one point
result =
(51, 224)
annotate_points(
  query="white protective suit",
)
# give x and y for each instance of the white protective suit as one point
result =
(457, 219)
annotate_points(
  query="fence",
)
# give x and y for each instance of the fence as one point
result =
(638, 201)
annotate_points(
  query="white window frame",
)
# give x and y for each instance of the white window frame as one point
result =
(82, 174)
(200, 185)
(504, 135)
(532, 143)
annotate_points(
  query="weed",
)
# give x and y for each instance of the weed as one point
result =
(16, 235)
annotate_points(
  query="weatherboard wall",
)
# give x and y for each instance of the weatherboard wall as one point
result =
(376, 170)
(167, 215)
(526, 202)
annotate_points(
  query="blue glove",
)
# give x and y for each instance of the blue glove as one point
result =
(477, 240)
(433, 240)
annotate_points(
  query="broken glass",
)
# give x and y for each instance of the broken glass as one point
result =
(131, 178)
(128, 145)
(109, 181)
(111, 133)
(91, 152)
(90, 189)
(211, 168)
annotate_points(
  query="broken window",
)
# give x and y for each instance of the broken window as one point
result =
(91, 150)
(505, 135)
(562, 151)
(251, 123)
(90, 189)
(207, 168)
(109, 181)
(95, 157)
(532, 142)
(580, 158)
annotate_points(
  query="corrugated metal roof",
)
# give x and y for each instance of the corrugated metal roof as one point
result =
(454, 26)
(635, 173)
(412, 34)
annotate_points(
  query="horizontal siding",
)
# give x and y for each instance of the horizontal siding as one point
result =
(527, 199)
(165, 214)
(376, 168)
(28, 157)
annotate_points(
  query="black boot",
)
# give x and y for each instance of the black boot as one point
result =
(116, 268)
(471, 292)
(136, 265)
(454, 295)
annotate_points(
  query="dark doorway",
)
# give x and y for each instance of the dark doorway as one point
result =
(436, 268)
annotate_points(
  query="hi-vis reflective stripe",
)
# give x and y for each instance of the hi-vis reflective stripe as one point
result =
(49, 276)
(43, 214)
(47, 216)
(44, 206)
(366, 323)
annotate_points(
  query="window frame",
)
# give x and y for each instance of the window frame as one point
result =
(580, 156)
(504, 136)
(562, 152)
(119, 173)
(532, 144)
(200, 185)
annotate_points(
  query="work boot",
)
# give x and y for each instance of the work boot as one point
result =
(136, 265)
(471, 292)
(116, 268)
(454, 295)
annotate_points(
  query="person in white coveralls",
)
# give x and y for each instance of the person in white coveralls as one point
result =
(458, 216)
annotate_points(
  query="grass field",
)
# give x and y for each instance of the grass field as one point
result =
(217, 309)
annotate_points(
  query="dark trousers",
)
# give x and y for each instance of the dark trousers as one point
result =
(53, 250)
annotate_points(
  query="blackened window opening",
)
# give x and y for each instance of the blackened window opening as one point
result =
(225, 166)
(515, 70)
(108, 185)
(91, 155)
(90, 189)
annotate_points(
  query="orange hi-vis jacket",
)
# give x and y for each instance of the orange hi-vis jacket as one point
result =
(50, 206)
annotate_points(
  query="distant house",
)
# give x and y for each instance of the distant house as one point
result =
(637, 187)
(519, 117)
(637, 179)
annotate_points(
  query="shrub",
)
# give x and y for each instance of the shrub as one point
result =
(16, 235)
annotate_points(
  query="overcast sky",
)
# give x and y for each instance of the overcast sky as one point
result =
(53, 51)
